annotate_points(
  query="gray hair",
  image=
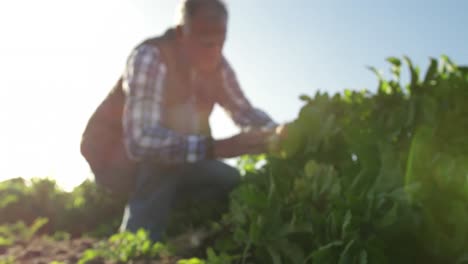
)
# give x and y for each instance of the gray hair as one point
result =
(188, 9)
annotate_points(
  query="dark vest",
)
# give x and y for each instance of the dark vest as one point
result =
(187, 107)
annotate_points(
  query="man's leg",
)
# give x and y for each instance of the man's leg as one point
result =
(204, 190)
(149, 207)
(150, 204)
(207, 180)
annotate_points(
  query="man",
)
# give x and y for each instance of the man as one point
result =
(170, 92)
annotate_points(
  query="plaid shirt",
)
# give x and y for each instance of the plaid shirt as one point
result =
(146, 138)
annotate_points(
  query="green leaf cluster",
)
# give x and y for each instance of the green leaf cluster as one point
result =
(363, 177)
(86, 210)
(124, 247)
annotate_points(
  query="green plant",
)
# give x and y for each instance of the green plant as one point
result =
(85, 210)
(191, 261)
(356, 180)
(61, 236)
(7, 260)
(126, 246)
(211, 258)
(362, 178)
(20, 232)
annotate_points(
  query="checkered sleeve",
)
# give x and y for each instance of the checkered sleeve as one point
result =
(238, 106)
(145, 138)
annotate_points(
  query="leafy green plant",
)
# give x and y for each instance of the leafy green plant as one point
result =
(7, 260)
(361, 178)
(126, 246)
(355, 181)
(85, 210)
(61, 236)
(191, 261)
(20, 232)
(211, 258)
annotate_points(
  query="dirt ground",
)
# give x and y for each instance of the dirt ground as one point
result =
(45, 250)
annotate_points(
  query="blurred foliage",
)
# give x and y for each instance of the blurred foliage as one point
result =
(361, 178)
(86, 210)
(124, 247)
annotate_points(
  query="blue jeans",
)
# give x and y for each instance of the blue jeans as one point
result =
(158, 189)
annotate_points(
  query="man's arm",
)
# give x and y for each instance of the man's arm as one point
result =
(145, 137)
(238, 106)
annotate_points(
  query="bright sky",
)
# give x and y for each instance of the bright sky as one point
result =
(59, 58)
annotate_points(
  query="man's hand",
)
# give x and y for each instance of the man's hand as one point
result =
(277, 135)
(281, 131)
(252, 142)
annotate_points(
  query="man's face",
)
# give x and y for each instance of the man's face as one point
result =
(203, 39)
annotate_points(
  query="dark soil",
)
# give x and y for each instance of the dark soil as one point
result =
(44, 250)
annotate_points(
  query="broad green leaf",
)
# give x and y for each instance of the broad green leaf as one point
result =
(275, 256)
(394, 61)
(191, 261)
(376, 72)
(414, 75)
(363, 257)
(431, 71)
(346, 254)
(293, 252)
(346, 224)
